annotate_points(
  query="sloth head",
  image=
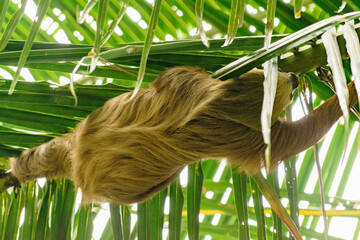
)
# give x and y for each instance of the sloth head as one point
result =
(250, 90)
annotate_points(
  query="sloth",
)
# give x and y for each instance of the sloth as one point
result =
(126, 151)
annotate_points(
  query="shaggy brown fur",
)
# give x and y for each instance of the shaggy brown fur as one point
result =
(126, 151)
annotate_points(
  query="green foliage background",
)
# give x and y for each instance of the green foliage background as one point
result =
(38, 111)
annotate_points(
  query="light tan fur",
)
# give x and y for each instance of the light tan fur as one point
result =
(126, 151)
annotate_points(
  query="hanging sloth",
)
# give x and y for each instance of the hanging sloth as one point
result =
(126, 151)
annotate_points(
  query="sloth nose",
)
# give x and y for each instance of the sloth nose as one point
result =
(294, 80)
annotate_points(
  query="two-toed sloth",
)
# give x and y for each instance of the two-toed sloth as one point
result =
(126, 151)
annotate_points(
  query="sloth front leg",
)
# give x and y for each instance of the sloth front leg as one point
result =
(48, 160)
(291, 138)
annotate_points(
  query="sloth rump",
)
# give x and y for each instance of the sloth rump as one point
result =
(126, 151)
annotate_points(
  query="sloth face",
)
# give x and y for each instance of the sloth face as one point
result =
(287, 82)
